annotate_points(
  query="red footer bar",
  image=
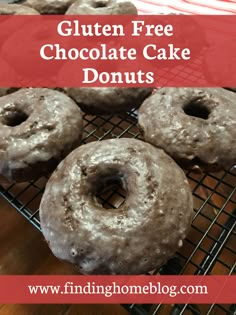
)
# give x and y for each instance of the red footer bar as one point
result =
(117, 289)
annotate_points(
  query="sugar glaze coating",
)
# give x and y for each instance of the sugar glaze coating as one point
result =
(38, 127)
(137, 237)
(197, 127)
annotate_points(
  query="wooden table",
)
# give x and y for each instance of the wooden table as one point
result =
(18, 240)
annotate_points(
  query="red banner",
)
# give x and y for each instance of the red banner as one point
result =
(76, 51)
(117, 289)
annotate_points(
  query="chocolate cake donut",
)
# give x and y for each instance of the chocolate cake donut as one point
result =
(50, 6)
(112, 100)
(98, 101)
(196, 126)
(135, 238)
(102, 7)
(38, 127)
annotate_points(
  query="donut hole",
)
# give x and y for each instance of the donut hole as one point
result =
(196, 108)
(111, 192)
(15, 118)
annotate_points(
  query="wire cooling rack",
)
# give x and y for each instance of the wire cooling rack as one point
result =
(211, 244)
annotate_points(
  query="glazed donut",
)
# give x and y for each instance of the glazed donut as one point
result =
(137, 237)
(50, 6)
(197, 127)
(104, 101)
(101, 7)
(38, 127)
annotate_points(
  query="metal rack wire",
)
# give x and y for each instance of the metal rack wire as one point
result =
(210, 246)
